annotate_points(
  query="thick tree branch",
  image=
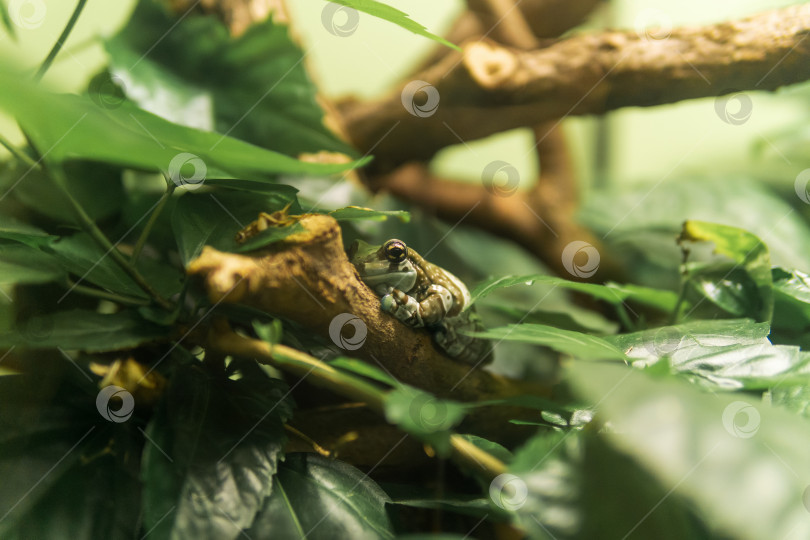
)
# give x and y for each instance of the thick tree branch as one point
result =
(308, 279)
(488, 88)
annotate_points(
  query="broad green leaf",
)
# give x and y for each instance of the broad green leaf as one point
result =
(214, 218)
(12, 229)
(254, 87)
(564, 341)
(391, 14)
(83, 330)
(729, 456)
(581, 320)
(794, 398)
(751, 259)
(424, 416)
(720, 355)
(364, 369)
(318, 498)
(81, 256)
(611, 293)
(269, 332)
(640, 222)
(68, 127)
(25, 264)
(215, 446)
(791, 310)
(354, 213)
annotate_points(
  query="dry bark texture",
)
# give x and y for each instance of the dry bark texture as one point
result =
(488, 88)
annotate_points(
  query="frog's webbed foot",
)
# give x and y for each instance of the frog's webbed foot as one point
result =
(403, 307)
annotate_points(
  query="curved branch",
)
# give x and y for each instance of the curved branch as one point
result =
(488, 88)
(308, 279)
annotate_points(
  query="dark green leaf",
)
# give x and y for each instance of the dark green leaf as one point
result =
(215, 445)
(317, 498)
(391, 14)
(83, 330)
(749, 255)
(214, 218)
(254, 87)
(791, 312)
(564, 341)
(424, 416)
(721, 453)
(25, 264)
(364, 369)
(12, 229)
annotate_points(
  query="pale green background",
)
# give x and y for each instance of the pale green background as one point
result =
(646, 145)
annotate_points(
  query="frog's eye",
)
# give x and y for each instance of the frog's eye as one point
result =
(395, 251)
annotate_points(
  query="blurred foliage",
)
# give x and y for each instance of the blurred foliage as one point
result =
(684, 394)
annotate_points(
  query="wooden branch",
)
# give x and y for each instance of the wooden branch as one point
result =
(488, 88)
(308, 279)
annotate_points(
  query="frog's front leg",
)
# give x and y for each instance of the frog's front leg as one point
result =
(432, 309)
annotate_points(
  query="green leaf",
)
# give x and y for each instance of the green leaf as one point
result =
(214, 218)
(80, 255)
(564, 341)
(214, 448)
(6, 20)
(364, 369)
(791, 311)
(12, 229)
(254, 87)
(424, 416)
(720, 355)
(317, 498)
(68, 127)
(25, 264)
(749, 255)
(83, 330)
(270, 332)
(391, 14)
(355, 213)
(612, 293)
(721, 453)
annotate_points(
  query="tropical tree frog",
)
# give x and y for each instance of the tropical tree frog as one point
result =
(421, 294)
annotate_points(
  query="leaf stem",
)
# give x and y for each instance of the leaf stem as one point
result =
(104, 295)
(164, 199)
(17, 153)
(104, 242)
(61, 41)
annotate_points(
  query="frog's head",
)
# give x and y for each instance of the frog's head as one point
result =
(384, 267)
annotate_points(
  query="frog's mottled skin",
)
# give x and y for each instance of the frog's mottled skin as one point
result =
(421, 294)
